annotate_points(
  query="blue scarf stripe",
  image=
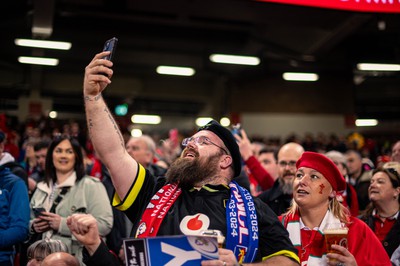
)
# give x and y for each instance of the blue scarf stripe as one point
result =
(242, 224)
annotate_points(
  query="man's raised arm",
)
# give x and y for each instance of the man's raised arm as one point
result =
(104, 131)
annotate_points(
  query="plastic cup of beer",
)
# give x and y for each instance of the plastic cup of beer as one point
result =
(335, 234)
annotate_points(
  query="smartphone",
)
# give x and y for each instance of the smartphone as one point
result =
(38, 211)
(110, 45)
(236, 130)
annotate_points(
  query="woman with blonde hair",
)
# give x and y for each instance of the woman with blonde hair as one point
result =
(314, 206)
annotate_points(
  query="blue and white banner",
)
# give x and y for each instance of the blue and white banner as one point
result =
(170, 251)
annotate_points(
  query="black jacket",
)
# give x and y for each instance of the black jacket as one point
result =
(275, 199)
(101, 257)
(392, 239)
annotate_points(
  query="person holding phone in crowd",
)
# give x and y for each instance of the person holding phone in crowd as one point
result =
(67, 190)
(315, 205)
(262, 170)
(197, 187)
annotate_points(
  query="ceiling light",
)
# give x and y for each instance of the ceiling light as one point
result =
(378, 67)
(136, 132)
(202, 121)
(43, 44)
(178, 71)
(53, 114)
(225, 121)
(293, 76)
(146, 119)
(366, 122)
(38, 60)
(235, 59)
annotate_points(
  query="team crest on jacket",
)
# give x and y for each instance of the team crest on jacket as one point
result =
(194, 224)
(141, 229)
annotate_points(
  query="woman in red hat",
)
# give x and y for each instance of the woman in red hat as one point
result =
(315, 206)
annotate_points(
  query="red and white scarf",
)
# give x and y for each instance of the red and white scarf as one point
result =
(242, 235)
(156, 210)
(309, 243)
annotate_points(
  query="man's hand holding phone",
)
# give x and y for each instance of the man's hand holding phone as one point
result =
(110, 45)
(98, 73)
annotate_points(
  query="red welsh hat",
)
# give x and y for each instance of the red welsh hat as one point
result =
(325, 166)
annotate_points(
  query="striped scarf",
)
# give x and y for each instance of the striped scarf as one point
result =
(309, 243)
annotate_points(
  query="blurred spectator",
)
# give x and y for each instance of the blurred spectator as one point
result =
(347, 197)
(93, 166)
(40, 150)
(42, 248)
(292, 138)
(259, 177)
(11, 144)
(257, 146)
(8, 161)
(76, 132)
(395, 155)
(143, 150)
(321, 142)
(308, 142)
(32, 134)
(381, 160)
(268, 157)
(359, 178)
(280, 195)
(169, 149)
(66, 129)
(336, 143)
(29, 160)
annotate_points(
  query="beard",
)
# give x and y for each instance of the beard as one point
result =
(190, 172)
(287, 187)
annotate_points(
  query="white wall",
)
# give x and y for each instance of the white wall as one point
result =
(281, 124)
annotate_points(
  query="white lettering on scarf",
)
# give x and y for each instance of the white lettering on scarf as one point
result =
(243, 230)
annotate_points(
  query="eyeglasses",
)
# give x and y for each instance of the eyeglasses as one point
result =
(201, 140)
(284, 163)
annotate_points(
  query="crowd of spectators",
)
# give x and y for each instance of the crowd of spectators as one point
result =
(266, 163)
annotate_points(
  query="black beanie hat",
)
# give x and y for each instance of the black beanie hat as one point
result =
(229, 141)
